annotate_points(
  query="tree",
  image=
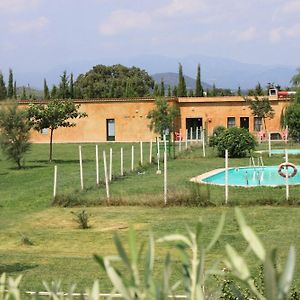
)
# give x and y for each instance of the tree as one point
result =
(181, 88)
(199, 88)
(15, 132)
(169, 91)
(54, 114)
(191, 93)
(239, 92)
(10, 88)
(46, 90)
(296, 78)
(258, 90)
(101, 81)
(156, 92)
(15, 90)
(23, 96)
(261, 108)
(54, 92)
(72, 96)
(214, 91)
(292, 120)
(162, 88)
(238, 142)
(162, 117)
(174, 92)
(3, 91)
(63, 89)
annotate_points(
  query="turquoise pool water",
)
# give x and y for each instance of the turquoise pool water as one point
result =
(252, 176)
(289, 151)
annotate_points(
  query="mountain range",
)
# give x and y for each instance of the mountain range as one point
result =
(223, 72)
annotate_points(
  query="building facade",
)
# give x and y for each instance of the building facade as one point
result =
(125, 120)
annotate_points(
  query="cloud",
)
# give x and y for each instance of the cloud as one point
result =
(123, 20)
(291, 7)
(275, 35)
(248, 34)
(278, 34)
(294, 31)
(182, 8)
(16, 6)
(28, 26)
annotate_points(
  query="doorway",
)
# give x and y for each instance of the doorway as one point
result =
(192, 124)
(110, 130)
(244, 122)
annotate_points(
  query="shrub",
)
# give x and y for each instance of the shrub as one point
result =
(213, 140)
(238, 141)
(82, 218)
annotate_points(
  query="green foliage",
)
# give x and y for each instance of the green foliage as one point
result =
(23, 96)
(14, 134)
(238, 142)
(46, 91)
(199, 88)
(111, 81)
(296, 78)
(3, 91)
(261, 107)
(291, 118)
(72, 91)
(10, 87)
(54, 114)
(82, 218)
(63, 89)
(239, 92)
(15, 90)
(276, 281)
(25, 240)
(54, 92)
(169, 91)
(181, 88)
(162, 117)
(162, 88)
(214, 139)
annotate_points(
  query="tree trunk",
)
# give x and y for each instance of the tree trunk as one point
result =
(264, 119)
(50, 150)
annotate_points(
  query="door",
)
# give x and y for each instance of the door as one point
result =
(110, 130)
(192, 124)
(244, 122)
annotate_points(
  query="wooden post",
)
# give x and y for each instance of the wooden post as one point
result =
(122, 165)
(150, 153)
(141, 152)
(203, 143)
(55, 182)
(132, 157)
(165, 179)
(105, 174)
(80, 165)
(97, 165)
(270, 151)
(226, 176)
(287, 189)
(110, 164)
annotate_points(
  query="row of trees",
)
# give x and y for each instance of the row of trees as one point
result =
(10, 91)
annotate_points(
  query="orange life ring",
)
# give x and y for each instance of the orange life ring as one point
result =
(286, 165)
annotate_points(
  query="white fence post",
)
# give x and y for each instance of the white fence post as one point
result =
(191, 133)
(97, 165)
(197, 135)
(270, 151)
(165, 179)
(150, 152)
(110, 164)
(80, 165)
(186, 139)
(180, 137)
(203, 143)
(287, 189)
(158, 156)
(165, 143)
(132, 157)
(105, 174)
(226, 176)
(122, 165)
(55, 182)
(141, 152)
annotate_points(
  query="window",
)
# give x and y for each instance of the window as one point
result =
(257, 124)
(110, 130)
(45, 131)
(230, 122)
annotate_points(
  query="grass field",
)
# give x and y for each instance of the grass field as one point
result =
(61, 250)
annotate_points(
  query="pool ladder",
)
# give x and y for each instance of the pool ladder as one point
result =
(256, 174)
(260, 162)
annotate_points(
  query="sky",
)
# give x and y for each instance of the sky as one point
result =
(39, 35)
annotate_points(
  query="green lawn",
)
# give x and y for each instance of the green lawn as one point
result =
(62, 251)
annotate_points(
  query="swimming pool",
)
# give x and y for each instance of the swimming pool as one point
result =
(281, 151)
(248, 177)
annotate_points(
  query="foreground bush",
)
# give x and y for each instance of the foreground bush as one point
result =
(238, 141)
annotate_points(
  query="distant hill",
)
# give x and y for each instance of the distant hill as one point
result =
(171, 79)
(35, 93)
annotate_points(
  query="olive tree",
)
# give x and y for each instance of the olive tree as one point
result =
(14, 132)
(52, 115)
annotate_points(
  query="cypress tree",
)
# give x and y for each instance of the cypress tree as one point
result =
(174, 92)
(162, 88)
(181, 88)
(199, 88)
(23, 97)
(169, 91)
(54, 92)
(72, 96)
(191, 93)
(239, 92)
(3, 92)
(15, 90)
(214, 91)
(46, 90)
(10, 88)
(156, 91)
